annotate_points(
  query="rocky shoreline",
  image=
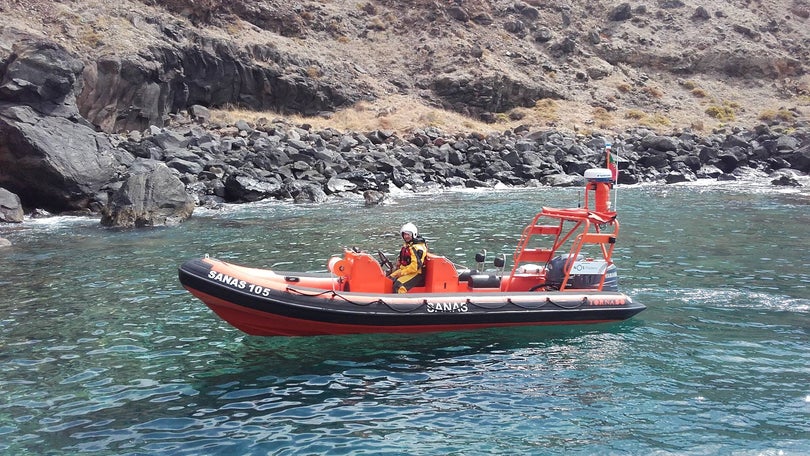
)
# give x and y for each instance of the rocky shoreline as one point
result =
(273, 159)
(52, 158)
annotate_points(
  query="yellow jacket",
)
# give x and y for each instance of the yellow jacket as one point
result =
(411, 259)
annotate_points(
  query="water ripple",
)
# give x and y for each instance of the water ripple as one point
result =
(104, 355)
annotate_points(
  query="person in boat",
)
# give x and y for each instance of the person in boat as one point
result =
(410, 267)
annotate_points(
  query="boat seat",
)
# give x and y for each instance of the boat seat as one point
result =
(440, 275)
(484, 281)
(362, 272)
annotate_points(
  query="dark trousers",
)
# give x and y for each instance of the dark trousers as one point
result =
(403, 284)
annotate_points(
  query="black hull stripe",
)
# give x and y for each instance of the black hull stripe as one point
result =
(193, 275)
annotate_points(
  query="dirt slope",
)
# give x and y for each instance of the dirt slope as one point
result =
(574, 64)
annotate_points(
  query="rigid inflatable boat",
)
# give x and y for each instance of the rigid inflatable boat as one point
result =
(554, 280)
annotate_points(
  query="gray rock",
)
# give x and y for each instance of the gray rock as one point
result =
(49, 153)
(674, 177)
(563, 180)
(338, 185)
(709, 172)
(727, 161)
(152, 195)
(133, 92)
(800, 159)
(701, 14)
(660, 143)
(185, 166)
(11, 210)
(622, 12)
(43, 75)
(242, 188)
(53, 162)
(304, 192)
(373, 197)
(784, 179)
(200, 113)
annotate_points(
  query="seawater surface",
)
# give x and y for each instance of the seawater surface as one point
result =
(104, 353)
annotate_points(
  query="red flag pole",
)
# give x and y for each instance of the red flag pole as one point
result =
(613, 166)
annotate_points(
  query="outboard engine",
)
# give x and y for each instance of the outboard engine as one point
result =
(585, 274)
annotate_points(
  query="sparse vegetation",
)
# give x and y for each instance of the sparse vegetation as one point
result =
(720, 113)
(90, 37)
(700, 93)
(602, 118)
(725, 112)
(772, 115)
(197, 11)
(368, 8)
(502, 118)
(546, 108)
(653, 91)
(694, 89)
(313, 72)
(635, 114)
(656, 120)
(377, 24)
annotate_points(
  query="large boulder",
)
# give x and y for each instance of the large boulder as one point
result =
(11, 210)
(243, 188)
(305, 192)
(43, 75)
(48, 153)
(152, 195)
(800, 159)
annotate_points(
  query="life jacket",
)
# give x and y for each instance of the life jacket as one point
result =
(417, 248)
(404, 255)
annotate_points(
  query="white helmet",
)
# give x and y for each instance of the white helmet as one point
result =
(409, 228)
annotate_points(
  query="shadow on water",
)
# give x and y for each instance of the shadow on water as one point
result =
(329, 355)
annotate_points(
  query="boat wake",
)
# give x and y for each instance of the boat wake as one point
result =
(724, 298)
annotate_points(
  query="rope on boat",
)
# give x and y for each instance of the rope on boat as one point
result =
(402, 309)
(562, 306)
(309, 295)
(529, 306)
(497, 305)
(335, 294)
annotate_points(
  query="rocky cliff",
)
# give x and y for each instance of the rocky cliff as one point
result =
(686, 62)
(76, 75)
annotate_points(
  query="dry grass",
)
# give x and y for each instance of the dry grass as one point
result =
(398, 113)
(403, 114)
(773, 115)
(724, 112)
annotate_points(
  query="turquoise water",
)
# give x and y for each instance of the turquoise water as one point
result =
(104, 353)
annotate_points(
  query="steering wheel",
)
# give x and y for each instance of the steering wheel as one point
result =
(385, 262)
